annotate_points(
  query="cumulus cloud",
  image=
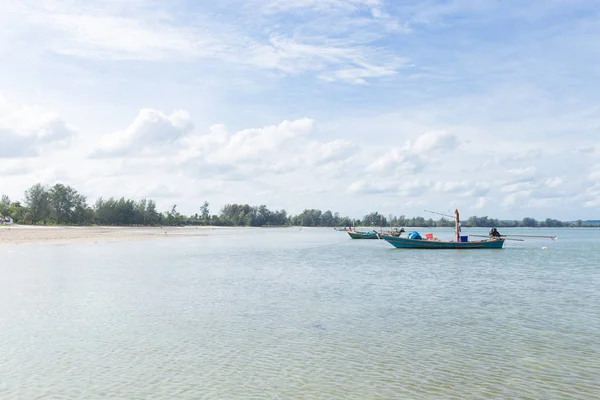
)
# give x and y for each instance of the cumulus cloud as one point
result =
(174, 144)
(410, 157)
(149, 133)
(25, 131)
(261, 143)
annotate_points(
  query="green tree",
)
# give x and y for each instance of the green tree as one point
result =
(374, 219)
(308, 217)
(205, 213)
(63, 201)
(529, 222)
(4, 205)
(173, 217)
(37, 200)
(140, 212)
(152, 215)
(327, 219)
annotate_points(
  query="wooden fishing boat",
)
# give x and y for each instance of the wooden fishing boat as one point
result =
(415, 241)
(363, 235)
(405, 243)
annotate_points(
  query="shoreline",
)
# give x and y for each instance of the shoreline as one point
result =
(64, 234)
(24, 234)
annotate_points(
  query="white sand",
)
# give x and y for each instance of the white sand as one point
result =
(23, 234)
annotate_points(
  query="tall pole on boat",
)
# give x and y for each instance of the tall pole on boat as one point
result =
(457, 223)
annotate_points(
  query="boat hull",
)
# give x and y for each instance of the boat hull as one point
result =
(405, 243)
(363, 235)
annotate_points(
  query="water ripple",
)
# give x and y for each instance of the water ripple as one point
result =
(277, 315)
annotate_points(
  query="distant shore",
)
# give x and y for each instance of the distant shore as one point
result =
(25, 234)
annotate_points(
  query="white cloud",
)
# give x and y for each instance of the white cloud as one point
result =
(553, 182)
(157, 190)
(188, 163)
(481, 202)
(451, 187)
(522, 175)
(358, 76)
(412, 187)
(27, 130)
(175, 146)
(593, 203)
(364, 187)
(321, 6)
(432, 141)
(395, 160)
(260, 144)
(400, 124)
(149, 134)
(113, 33)
(349, 62)
(478, 189)
(9, 167)
(462, 188)
(115, 37)
(516, 187)
(335, 150)
(516, 198)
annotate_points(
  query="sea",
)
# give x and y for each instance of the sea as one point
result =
(301, 313)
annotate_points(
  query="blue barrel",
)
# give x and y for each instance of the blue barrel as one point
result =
(464, 238)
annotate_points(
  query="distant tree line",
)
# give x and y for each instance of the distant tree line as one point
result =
(63, 205)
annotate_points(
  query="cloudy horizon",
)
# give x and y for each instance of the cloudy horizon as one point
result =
(352, 106)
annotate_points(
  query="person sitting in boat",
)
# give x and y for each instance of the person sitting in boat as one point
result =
(494, 233)
(397, 232)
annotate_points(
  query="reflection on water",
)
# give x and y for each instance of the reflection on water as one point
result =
(300, 314)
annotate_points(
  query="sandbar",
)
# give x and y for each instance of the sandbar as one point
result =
(24, 234)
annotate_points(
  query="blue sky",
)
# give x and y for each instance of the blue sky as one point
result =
(349, 105)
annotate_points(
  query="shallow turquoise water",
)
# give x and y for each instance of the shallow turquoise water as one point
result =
(301, 314)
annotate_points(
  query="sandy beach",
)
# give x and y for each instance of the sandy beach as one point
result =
(23, 234)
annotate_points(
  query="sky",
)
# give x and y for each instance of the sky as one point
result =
(355, 106)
